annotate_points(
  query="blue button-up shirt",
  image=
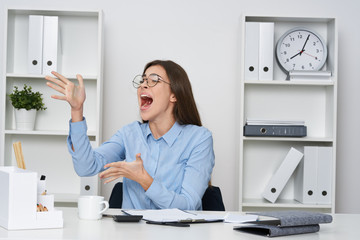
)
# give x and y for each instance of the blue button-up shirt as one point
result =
(180, 162)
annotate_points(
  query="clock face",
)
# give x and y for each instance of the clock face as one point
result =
(301, 49)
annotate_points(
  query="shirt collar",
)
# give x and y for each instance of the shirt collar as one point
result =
(170, 136)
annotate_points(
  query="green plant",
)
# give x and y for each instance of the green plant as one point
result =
(27, 99)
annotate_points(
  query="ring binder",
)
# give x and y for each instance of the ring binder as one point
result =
(275, 130)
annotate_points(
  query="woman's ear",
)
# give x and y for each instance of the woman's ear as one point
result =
(172, 98)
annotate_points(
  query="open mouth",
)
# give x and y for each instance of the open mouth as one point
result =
(146, 101)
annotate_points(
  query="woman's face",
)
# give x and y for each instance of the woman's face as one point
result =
(157, 102)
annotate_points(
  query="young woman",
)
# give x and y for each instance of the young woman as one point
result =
(166, 160)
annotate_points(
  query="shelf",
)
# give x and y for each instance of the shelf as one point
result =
(76, 55)
(45, 149)
(20, 75)
(287, 19)
(43, 132)
(292, 82)
(79, 13)
(312, 101)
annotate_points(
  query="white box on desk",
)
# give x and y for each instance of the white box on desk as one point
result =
(18, 198)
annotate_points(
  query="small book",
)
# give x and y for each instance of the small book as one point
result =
(291, 218)
(252, 121)
(274, 231)
(281, 223)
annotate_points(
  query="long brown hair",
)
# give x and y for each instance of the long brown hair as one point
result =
(185, 110)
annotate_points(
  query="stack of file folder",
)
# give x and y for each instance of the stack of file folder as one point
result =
(313, 177)
(282, 223)
(43, 44)
(274, 128)
(259, 51)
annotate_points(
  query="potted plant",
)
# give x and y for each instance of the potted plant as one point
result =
(26, 103)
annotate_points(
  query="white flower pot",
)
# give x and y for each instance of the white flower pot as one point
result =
(25, 119)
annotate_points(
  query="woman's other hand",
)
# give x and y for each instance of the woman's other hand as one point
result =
(131, 170)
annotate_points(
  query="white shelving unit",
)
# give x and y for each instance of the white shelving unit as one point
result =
(45, 150)
(315, 102)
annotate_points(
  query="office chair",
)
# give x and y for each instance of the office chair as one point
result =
(211, 201)
(116, 196)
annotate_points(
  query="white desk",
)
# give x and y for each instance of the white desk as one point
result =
(344, 227)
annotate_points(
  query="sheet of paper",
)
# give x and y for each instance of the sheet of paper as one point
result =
(171, 215)
(239, 218)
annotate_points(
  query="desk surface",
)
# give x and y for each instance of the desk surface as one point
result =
(344, 226)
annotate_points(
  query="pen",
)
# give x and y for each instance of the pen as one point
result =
(173, 224)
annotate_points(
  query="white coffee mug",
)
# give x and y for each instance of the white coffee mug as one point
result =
(91, 207)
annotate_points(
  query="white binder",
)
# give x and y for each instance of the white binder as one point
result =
(305, 181)
(266, 50)
(50, 44)
(35, 44)
(325, 159)
(252, 30)
(90, 185)
(282, 175)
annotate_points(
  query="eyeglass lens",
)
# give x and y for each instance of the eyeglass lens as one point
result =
(151, 80)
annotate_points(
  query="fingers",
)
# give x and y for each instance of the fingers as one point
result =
(110, 179)
(80, 80)
(113, 164)
(60, 77)
(131, 170)
(113, 168)
(63, 81)
(138, 157)
(56, 81)
(110, 175)
(56, 87)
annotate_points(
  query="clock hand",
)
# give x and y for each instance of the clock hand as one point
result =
(303, 49)
(299, 53)
(311, 56)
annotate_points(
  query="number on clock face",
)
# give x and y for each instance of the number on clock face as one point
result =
(301, 50)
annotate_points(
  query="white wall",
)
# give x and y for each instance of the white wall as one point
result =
(204, 37)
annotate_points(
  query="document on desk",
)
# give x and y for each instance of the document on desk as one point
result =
(175, 215)
(239, 218)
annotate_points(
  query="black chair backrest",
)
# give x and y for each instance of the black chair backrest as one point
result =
(211, 201)
(116, 197)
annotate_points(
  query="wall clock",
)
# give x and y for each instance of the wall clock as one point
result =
(301, 49)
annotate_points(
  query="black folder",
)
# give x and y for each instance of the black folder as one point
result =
(275, 130)
(281, 223)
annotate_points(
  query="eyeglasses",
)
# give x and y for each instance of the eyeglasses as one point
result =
(151, 80)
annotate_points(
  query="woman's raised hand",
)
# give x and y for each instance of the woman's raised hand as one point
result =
(73, 94)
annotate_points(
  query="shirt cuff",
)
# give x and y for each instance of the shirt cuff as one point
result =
(154, 190)
(77, 127)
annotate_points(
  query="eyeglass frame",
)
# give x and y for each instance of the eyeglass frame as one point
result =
(136, 85)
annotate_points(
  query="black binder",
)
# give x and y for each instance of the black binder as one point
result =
(275, 130)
